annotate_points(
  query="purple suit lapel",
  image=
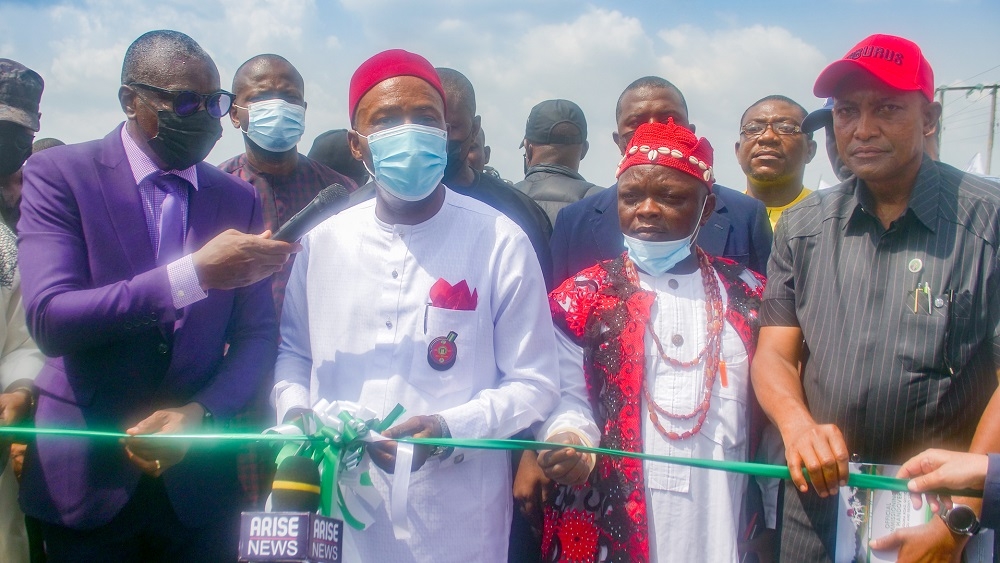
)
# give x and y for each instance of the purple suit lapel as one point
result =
(121, 196)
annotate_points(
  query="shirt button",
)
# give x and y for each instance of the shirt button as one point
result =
(677, 340)
(459, 458)
(388, 324)
(180, 293)
(395, 274)
(673, 283)
(938, 302)
(162, 348)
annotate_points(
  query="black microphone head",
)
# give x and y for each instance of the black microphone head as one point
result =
(331, 194)
(296, 486)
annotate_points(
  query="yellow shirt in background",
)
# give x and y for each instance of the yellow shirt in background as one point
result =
(774, 212)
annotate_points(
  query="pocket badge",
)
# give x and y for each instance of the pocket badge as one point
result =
(442, 352)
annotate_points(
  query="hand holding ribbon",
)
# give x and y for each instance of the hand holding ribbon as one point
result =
(383, 453)
(339, 432)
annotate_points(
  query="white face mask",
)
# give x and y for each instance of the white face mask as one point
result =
(275, 125)
(658, 257)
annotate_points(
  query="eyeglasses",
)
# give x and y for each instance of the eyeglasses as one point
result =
(755, 129)
(186, 102)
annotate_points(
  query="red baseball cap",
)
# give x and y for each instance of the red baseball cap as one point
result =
(895, 61)
(386, 65)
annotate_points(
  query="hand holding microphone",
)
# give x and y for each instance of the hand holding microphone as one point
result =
(233, 259)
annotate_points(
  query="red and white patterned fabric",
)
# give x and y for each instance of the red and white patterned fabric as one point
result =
(604, 310)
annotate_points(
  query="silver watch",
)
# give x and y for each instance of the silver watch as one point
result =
(441, 451)
(961, 520)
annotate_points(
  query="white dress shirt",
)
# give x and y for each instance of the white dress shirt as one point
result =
(356, 326)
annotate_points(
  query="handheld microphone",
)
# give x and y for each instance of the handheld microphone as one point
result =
(292, 530)
(331, 200)
(296, 486)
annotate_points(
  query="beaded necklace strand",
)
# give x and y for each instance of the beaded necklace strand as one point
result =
(711, 354)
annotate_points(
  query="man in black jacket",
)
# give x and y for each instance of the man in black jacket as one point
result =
(555, 141)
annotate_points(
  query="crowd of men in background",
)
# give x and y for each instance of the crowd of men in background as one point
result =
(767, 322)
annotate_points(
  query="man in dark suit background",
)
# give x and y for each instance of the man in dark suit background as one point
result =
(137, 274)
(587, 231)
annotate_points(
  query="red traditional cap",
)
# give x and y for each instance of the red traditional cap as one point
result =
(386, 65)
(895, 61)
(671, 145)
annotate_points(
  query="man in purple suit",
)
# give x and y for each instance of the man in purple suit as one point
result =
(146, 285)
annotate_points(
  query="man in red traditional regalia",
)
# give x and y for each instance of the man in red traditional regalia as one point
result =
(663, 336)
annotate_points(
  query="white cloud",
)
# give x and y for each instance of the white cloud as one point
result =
(591, 59)
(261, 23)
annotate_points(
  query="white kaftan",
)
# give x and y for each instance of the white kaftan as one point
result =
(693, 513)
(357, 324)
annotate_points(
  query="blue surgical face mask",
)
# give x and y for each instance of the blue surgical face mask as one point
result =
(275, 125)
(658, 257)
(409, 159)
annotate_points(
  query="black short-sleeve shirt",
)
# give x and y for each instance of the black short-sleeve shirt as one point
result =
(900, 324)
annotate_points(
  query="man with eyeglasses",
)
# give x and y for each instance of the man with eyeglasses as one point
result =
(148, 286)
(890, 281)
(773, 152)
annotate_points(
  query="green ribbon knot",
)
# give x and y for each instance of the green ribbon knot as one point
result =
(337, 446)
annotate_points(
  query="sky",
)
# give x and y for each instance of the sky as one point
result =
(723, 55)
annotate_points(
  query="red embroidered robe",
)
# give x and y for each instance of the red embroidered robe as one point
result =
(604, 310)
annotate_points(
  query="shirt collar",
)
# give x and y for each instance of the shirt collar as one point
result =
(923, 204)
(143, 167)
(555, 169)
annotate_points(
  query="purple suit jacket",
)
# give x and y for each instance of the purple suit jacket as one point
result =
(101, 309)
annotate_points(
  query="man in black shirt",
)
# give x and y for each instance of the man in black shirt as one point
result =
(555, 141)
(890, 282)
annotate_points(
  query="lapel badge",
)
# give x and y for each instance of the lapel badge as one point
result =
(442, 352)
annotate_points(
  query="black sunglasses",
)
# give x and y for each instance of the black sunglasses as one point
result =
(188, 103)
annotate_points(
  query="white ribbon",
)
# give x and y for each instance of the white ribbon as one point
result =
(401, 491)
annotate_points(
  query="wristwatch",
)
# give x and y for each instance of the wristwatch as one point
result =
(441, 451)
(961, 520)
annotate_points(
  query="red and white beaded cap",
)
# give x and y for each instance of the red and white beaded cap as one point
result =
(671, 145)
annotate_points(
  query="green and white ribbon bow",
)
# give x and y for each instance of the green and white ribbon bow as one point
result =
(337, 434)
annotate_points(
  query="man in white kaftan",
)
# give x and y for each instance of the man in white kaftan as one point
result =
(364, 321)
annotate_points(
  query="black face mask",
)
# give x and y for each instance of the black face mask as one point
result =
(15, 148)
(456, 159)
(182, 142)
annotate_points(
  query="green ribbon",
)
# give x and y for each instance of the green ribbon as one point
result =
(332, 450)
(329, 451)
(858, 480)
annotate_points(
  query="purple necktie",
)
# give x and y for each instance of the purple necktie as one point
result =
(171, 227)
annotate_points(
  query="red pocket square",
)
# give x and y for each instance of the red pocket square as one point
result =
(455, 297)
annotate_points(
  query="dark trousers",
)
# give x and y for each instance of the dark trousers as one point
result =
(808, 527)
(146, 530)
